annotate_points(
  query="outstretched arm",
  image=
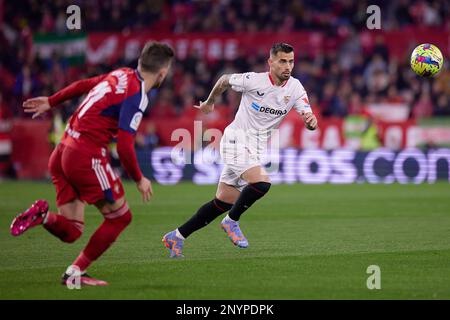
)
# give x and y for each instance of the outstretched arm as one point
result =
(75, 89)
(220, 87)
(40, 105)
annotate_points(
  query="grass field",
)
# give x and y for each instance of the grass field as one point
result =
(306, 242)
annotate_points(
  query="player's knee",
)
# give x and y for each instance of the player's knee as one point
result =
(226, 198)
(262, 187)
(227, 194)
(221, 205)
(115, 226)
(126, 219)
(122, 221)
(120, 216)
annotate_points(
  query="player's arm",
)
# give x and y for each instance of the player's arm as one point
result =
(127, 156)
(40, 105)
(129, 120)
(310, 120)
(303, 107)
(220, 87)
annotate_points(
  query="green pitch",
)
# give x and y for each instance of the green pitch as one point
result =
(306, 242)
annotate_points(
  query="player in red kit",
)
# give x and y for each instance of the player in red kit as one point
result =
(79, 165)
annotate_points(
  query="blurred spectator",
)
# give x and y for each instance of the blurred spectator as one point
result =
(331, 103)
(5, 111)
(164, 106)
(370, 139)
(423, 108)
(26, 84)
(148, 137)
(442, 106)
(355, 105)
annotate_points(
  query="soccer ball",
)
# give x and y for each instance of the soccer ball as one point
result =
(426, 60)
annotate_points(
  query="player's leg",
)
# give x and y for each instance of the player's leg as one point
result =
(68, 223)
(226, 195)
(258, 185)
(97, 184)
(117, 216)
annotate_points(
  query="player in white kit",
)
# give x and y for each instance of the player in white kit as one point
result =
(266, 99)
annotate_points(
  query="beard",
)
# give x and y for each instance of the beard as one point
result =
(285, 76)
(156, 85)
(158, 82)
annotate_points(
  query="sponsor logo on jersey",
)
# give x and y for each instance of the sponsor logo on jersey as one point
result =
(286, 99)
(268, 110)
(136, 120)
(260, 94)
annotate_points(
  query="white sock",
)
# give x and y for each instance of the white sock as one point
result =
(179, 235)
(74, 271)
(45, 218)
(229, 219)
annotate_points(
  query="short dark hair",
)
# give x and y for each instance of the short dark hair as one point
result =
(154, 56)
(281, 46)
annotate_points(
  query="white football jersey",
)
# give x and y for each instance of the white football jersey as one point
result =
(263, 104)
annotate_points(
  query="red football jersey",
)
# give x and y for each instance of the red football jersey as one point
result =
(118, 100)
(114, 106)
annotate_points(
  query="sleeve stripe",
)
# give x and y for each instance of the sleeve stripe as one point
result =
(144, 100)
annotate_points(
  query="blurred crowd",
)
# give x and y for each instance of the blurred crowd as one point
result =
(224, 15)
(339, 82)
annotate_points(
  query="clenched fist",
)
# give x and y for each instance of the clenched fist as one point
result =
(310, 120)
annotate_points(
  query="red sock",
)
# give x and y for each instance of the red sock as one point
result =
(65, 229)
(104, 236)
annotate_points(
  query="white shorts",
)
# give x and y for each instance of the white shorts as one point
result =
(237, 158)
